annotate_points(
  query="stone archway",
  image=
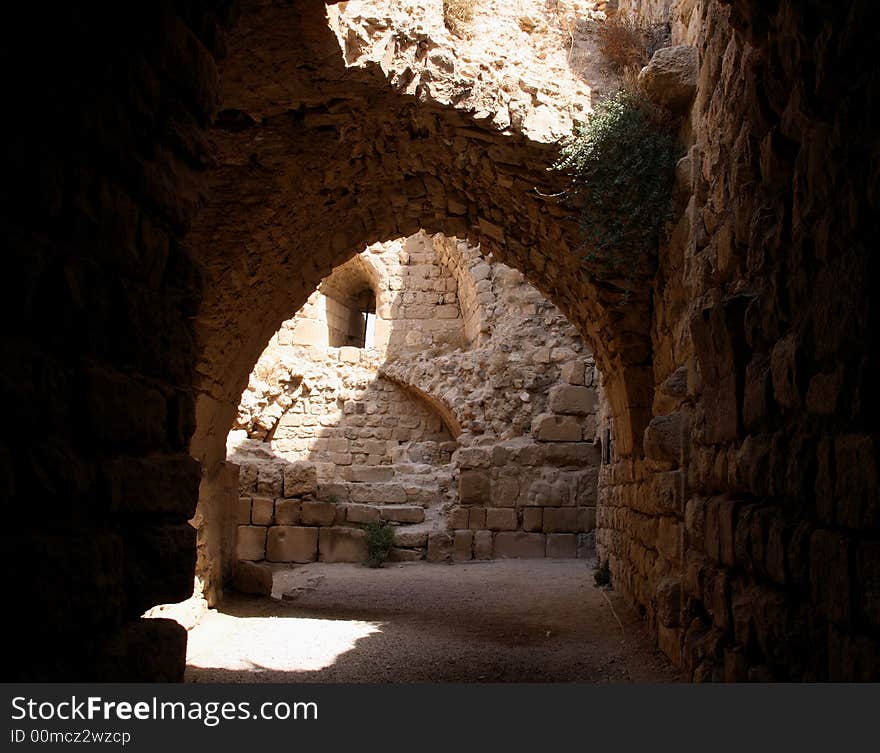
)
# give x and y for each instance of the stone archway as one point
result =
(317, 160)
(749, 532)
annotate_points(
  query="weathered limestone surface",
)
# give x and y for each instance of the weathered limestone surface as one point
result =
(355, 427)
(142, 208)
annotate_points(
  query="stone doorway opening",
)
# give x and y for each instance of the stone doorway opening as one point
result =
(471, 426)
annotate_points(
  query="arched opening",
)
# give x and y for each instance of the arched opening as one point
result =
(404, 433)
(163, 230)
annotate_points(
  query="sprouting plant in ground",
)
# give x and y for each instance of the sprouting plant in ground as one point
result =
(380, 539)
(602, 574)
(622, 166)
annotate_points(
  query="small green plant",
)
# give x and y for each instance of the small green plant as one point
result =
(622, 166)
(380, 539)
(602, 574)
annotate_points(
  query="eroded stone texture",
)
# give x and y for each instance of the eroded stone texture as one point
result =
(126, 301)
(777, 485)
(436, 420)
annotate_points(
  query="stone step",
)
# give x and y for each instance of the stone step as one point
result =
(403, 514)
(360, 474)
(364, 493)
(391, 493)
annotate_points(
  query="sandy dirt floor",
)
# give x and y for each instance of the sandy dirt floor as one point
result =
(498, 621)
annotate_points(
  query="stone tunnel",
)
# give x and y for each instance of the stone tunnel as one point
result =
(181, 177)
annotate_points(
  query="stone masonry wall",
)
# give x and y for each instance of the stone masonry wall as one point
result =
(364, 418)
(102, 170)
(141, 209)
(747, 532)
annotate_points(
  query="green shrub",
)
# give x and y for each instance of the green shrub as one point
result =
(380, 539)
(622, 166)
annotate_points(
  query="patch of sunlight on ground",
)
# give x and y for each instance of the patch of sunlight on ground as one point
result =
(274, 643)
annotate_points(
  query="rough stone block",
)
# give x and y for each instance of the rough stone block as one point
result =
(576, 454)
(474, 457)
(463, 546)
(663, 438)
(586, 545)
(562, 545)
(288, 512)
(573, 373)
(247, 479)
(403, 514)
(518, 544)
(362, 514)
(670, 78)
(309, 332)
(316, 513)
(458, 518)
(670, 539)
(243, 511)
(667, 597)
(292, 544)
(587, 487)
(477, 518)
(251, 543)
(727, 532)
(269, 480)
(501, 519)
(669, 642)
(439, 547)
(533, 518)
(349, 354)
(300, 479)
(572, 400)
(474, 488)
(377, 494)
(539, 494)
(371, 473)
(712, 540)
(262, 511)
(505, 491)
(402, 537)
(551, 428)
(342, 545)
(252, 578)
(560, 519)
(856, 487)
(482, 545)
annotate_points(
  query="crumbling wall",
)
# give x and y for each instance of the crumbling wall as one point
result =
(363, 418)
(744, 523)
